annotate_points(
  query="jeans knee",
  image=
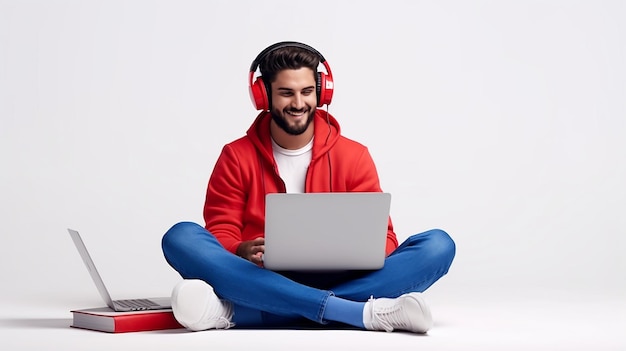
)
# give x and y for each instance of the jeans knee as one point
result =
(177, 233)
(442, 246)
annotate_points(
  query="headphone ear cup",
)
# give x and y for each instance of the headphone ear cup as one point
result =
(258, 94)
(325, 89)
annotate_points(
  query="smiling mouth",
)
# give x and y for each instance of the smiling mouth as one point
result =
(296, 113)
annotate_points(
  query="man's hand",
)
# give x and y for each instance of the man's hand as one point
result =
(252, 250)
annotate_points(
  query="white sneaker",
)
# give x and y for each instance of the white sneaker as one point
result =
(196, 307)
(407, 312)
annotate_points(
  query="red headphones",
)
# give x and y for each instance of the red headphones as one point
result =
(260, 90)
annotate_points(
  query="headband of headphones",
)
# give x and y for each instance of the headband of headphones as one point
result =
(260, 90)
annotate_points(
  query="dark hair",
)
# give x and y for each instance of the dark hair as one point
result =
(288, 57)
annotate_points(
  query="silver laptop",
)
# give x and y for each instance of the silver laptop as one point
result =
(139, 304)
(326, 231)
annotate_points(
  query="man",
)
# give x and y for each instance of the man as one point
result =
(293, 147)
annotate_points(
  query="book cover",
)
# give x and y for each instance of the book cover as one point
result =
(106, 320)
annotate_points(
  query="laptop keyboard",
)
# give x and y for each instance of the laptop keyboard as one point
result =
(136, 304)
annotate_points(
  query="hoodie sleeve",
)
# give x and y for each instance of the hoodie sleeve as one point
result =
(225, 201)
(365, 179)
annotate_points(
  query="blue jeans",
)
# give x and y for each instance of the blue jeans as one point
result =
(262, 297)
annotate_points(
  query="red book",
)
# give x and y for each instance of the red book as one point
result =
(106, 320)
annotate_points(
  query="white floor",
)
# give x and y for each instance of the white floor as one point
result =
(543, 320)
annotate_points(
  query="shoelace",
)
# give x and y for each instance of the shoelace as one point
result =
(388, 317)
(224, 322)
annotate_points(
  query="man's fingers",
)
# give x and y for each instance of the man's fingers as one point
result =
(256, 259)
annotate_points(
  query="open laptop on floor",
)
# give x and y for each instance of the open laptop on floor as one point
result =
(117, 305)
(326, 231)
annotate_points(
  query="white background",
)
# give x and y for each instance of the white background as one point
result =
(501, 122)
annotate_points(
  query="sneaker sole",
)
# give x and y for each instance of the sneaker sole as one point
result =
(189, 301)
(424, 310)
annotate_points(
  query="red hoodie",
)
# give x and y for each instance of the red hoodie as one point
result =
(234, 210)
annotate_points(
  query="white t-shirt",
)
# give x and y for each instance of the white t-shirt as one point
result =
(292, 165)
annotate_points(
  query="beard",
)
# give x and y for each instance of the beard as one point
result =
(296, 129)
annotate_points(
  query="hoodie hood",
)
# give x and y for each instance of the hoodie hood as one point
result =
(326, 133)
